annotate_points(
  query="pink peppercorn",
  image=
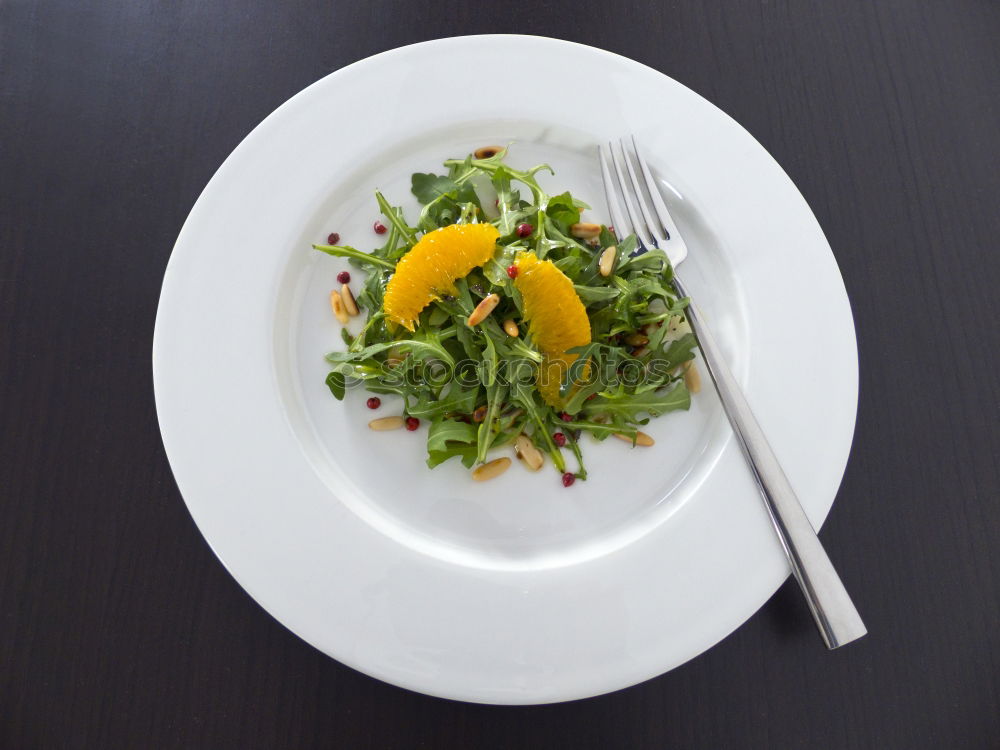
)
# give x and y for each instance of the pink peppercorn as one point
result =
(559, 439)
(524, 230)
(412, 423)
(344, 277)
(333, 238)
(374, 402)
(568, 478)
(379, 227)
(512, 271)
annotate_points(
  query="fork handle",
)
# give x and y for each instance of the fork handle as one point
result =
(837, 618)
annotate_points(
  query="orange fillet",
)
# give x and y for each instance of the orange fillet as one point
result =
(430, 268)
(557, 319)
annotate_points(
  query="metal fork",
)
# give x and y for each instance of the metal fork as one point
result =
(831, 606)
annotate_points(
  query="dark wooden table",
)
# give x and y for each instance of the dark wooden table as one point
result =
(118, 628)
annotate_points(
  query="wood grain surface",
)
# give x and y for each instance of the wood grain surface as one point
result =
(118, 627)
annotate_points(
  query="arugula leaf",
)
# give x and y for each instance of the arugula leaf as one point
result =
(681, 350)
(630, 406)
(344, 251)
(563, 212)
(443, 431)
(419, 349)
(395, 217)
(372, 293)
(574, 445)
(495, 269)
(596, 366)
(507, 198)
(601, 430)
(495, 395)
(490, 364)
(458, 400)
(589, 294)
(428, 187)
(335, 382)
(648, 287)
(449, 202)
(466, 452)
(654, 260)
(570, 265)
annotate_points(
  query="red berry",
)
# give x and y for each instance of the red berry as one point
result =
(379, 227)
(559, 439)
(412, 423)
(524, 230)
(344, 277)
(512, 271)
(568, 478)
(333, 238)
(565, 417)
(374, 402)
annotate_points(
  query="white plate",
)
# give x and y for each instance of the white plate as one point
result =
(518, 590)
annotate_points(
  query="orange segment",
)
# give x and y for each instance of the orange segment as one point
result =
(430, 268)
(557, 319)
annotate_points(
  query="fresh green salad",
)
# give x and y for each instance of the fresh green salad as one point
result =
(508, 325)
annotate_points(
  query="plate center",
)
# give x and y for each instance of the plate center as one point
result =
(522, 520)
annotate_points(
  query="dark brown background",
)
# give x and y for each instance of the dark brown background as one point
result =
(118, 628)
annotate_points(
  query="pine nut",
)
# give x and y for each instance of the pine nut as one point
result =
(483, 309)
(636, 339)
(491, 469)
(510, 327)
(479, 414)
(584, 230)
(692, 378)
(607, 262)
(641, 438)
(349, 301)
(386, 423)
(487, 152)
(528, 454)
(642, 351)
(337, 305)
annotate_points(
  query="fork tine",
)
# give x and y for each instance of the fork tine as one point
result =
(651, 224)
(623, 227)
(666, 222)
(633, 213)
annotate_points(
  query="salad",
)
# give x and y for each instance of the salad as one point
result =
(504, 321)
